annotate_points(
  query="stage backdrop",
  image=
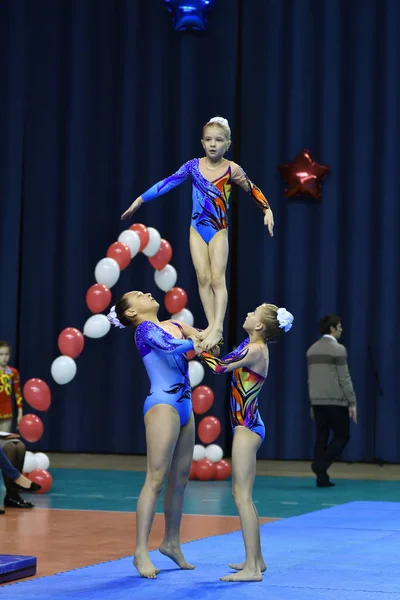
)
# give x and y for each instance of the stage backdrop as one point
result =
(100, 99)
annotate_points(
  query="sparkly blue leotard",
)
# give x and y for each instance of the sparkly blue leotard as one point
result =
(164, 358)
(210, 198)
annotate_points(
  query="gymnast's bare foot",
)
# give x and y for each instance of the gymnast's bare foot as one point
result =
(240, 566)
(244, 575)
(203, 334)
(175, 554)
(145, 567)
(212, 339)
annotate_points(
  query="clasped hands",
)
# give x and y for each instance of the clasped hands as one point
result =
(199, 346)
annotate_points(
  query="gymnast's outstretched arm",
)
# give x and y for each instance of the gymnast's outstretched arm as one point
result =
(160, 188)
(187, 330)
(245, 358)
(149, 334)
(167, 184)
(237, 350)
(240, 178)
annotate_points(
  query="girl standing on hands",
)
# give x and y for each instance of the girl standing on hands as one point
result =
(212, 178)
(249, 367)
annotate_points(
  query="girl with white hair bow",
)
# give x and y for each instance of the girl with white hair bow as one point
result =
(248, 364)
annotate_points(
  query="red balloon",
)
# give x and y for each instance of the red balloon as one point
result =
(205, 469)
(71, 342)
(98, 297)
(121, 253)
(191, 354)
(162, 257)
(37, 394)
(175, 300)
(41, 477)
(222, 470)
(303, 176)
(209, 429)
(143, 234)
(202, 399)
(31, 428)
(192, 474)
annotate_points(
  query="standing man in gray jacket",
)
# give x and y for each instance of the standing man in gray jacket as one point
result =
(332, 397)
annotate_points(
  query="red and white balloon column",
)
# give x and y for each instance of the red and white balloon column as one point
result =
(207, 463)
(37, 394)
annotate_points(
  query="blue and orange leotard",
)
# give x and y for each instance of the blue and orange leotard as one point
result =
(245, 388)
(164, 358)
(210, 198)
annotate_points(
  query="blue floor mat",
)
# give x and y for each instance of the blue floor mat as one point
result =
(347, 552)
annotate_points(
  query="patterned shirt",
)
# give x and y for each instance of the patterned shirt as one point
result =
(9, 379)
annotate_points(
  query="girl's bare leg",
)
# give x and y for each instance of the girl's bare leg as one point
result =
(261, 561)
(202, 266)
(173, 495)
(219, 251)
(162, 432)
(244, 453)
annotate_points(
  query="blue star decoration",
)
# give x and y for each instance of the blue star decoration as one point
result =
(189, 14)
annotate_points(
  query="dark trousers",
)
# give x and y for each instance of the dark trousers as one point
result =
(329, 419)
(12, 453)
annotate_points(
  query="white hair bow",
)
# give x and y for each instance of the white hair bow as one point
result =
(285, 319)
(220, 120)
(112, 317)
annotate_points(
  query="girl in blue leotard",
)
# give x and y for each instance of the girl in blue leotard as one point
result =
(212, 178)
(168, 419)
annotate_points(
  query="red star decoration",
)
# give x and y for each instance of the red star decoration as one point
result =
(303, 176)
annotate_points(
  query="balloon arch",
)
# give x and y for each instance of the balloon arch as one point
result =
(208, 460)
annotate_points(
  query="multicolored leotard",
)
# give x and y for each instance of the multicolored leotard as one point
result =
(164, 358)
(9, 379)
(245, 388)
(210, 198)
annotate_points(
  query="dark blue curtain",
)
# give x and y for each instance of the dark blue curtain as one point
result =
(102, 98)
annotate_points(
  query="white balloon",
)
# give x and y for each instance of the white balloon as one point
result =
(96, 326)
(42, 461)
(153, 245)
(63, 369)
(29, 462)
(166, 278)
(185, 316)
(214, 452)
(196, 373)
(107, 272)
(199, 452)
(131, 239)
